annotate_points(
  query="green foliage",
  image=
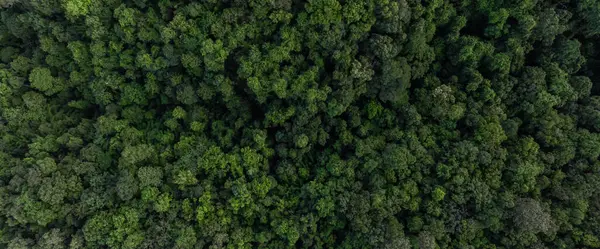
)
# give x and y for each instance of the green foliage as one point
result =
(76, 8)
(438, 194)
(299, 124)
(41, 79)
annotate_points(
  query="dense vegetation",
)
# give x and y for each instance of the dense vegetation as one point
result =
(307, 124)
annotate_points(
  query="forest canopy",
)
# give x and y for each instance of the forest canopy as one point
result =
(390, 124)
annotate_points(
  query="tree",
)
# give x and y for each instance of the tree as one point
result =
(315, 124)
(530, 217)
(41, 79)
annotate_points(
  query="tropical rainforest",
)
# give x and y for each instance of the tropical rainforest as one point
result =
(390, 124)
